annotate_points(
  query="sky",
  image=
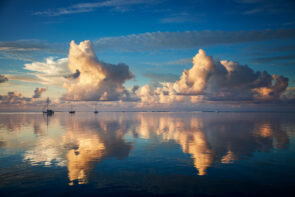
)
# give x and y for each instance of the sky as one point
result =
(147, 55)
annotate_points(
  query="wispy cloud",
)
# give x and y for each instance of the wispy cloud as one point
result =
(178, 18)
(22, 78)
(22, 45)
(189, 39)
(273, 59)
(264, 6)
(118, 5)
(161, 77)
(26, 49)
(263, 9)
(289, 23)
(249, 1)
(179, 62)
(285, 48)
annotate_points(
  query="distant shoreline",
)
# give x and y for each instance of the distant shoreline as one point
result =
(153, 111)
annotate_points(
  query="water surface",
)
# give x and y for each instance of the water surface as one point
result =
(147, 154)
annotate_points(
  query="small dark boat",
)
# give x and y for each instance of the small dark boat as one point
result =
(72, 111)
(96, 112)
(48, 112)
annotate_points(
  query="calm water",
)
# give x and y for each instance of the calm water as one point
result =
(147, 154)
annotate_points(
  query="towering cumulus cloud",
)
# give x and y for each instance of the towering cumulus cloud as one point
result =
(214, 80)
(96, 80)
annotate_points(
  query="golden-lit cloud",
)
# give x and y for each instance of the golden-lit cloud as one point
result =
(209, 81)
(97, 80)
(214, 80)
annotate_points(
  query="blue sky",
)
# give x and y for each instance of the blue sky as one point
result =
(156, 39)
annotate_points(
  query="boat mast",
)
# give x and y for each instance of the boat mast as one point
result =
(47, 103)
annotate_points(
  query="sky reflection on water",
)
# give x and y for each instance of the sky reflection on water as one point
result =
(155, 153)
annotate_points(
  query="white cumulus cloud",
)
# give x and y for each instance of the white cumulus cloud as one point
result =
(215, 80)
(97, 80)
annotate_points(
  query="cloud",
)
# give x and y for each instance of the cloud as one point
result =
(285, 48)
(26, 50)
(119, 5)
(49, 72)
(188, 39)
(275, 58)
(249, 1)
(134, 88)
(94, 79)
(14, 98)
(73, 76)
(253, 11)
(38, 92)
(214, 80)
(23, 78)
(23, 45)
(161, 77)
(97, 80)
(181, 62)
(178, 18)
(264, 6)
(262, 51)
(289, 95)
(86, 78)
(3, 79)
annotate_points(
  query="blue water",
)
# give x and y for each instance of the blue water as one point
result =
(147, 154)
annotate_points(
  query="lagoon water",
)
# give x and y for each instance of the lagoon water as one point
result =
(147, 154)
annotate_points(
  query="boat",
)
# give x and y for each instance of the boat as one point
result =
(48, 112)
(72, 111)
(95, 111)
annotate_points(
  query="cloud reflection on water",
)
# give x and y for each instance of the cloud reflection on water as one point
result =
(80, 142)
